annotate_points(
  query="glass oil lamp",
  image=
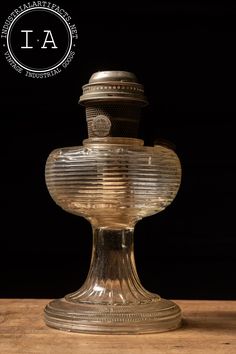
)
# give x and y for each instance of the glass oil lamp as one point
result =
(113, 181)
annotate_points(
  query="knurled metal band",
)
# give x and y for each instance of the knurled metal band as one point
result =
(113, 91)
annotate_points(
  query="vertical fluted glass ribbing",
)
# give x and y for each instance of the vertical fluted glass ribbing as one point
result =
(112, 278)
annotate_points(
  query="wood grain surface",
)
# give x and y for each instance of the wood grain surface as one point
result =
(209, 327)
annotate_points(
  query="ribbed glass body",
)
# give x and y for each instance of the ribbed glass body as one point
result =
(113, 182)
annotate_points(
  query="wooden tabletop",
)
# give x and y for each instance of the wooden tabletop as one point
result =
(209, 327)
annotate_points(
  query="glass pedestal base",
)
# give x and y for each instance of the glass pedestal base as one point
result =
(157, 316)
(112, 299)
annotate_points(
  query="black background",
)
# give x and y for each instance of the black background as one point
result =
(184, 54)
